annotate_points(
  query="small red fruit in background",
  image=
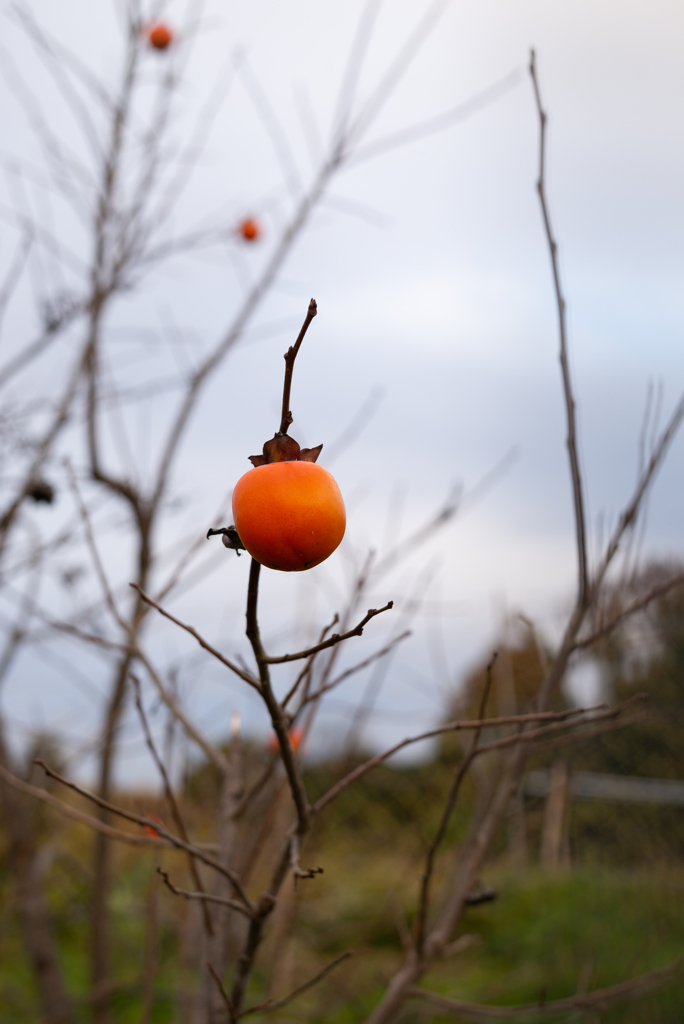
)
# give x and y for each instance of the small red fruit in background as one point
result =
(159, 36)
(296, 736)
(250, 229)
(288, 511)
(149, 830)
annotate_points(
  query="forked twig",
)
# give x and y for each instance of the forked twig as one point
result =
(306, 671)
(80, 816)
(156, 826)
(355, 668)
(200, 640)
(424, 900)
(332, 641)
(636, 606)
(558, 720)
(170, 799)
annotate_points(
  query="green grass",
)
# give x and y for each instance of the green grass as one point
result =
(546, 933)
(595, 925)
(542, 932)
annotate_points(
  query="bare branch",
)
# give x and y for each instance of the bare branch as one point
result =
(200, 640)
(636, 606)
(37, 347)
(13, 277)
(156, 826)
(171, 800)
(277, 1004)
(440, 122)
(75, 815)
(273, 129)
(397, 70)
(297, 870)
(580, 520)
(290, 356)
(558, 718)
(306, 671)
(357, 668)
(631, 512)
(352, 72)
(335, 639)
(590, 734)
(212, 752)
(224, 995)
(92, 546)
(424, 901)
(588, 1001)
(205, 897)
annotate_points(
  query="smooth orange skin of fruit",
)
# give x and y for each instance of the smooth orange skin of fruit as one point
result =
(159, 36)
(290, 515)
(250, 229)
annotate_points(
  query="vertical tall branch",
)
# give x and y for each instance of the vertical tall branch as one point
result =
(578, 500)
(448, 810)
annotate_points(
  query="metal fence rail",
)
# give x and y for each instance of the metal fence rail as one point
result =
(600, 786)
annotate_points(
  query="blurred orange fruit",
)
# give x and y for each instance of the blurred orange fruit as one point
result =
(159, 36)
(296, 736)
(250, 229)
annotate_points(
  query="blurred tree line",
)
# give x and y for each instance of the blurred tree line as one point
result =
(644, 655)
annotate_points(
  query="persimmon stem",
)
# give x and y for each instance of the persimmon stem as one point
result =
(290, 356)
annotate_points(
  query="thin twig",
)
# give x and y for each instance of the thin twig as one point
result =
(92, 547)
(558, 722)
(277, 1004)
(156, 826)
(588, 1001)
(356, 668)
(632, 609)
(424, 901)
(290, 356)
(204, 897)
(590, 734)
(170, 799)
(80, 816)
(306, 671)
(224, 995)
(332, 641)
(212, 752)
(578, 499)
(200, 640)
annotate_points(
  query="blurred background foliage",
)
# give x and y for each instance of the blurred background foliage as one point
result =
(608, 909)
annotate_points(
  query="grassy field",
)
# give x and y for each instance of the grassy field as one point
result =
(552, 934)
(544, 933)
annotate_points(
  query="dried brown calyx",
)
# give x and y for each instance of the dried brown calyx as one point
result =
(283, 448)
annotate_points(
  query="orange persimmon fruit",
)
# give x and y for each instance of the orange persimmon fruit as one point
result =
(250, 229)
(289, 514)
(296, 736)
(159, 36)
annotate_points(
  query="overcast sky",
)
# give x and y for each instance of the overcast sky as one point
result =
(436, 305)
